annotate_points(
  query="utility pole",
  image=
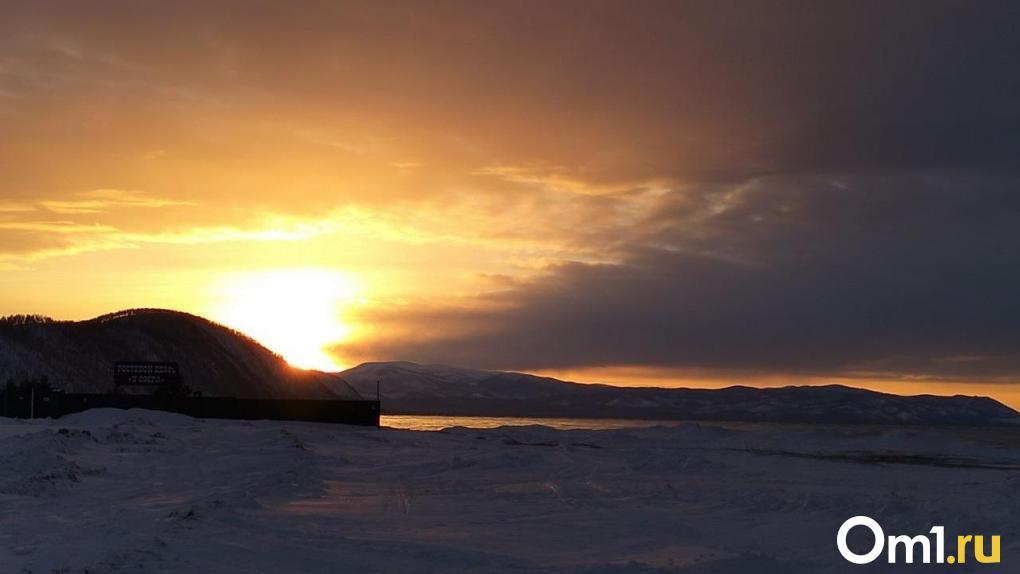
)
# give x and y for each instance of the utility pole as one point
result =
(378, 402)
(31, 408)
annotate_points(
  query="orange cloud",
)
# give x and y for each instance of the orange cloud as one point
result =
(104, 200)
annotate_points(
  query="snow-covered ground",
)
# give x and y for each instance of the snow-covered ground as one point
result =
(139, 491)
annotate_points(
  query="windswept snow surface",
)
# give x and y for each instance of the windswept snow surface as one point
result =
(140, 491)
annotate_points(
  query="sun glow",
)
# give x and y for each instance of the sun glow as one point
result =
(295, 312)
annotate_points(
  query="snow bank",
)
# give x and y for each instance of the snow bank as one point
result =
(109, 416)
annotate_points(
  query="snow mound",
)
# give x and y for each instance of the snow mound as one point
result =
(40, 463)
(109, 417)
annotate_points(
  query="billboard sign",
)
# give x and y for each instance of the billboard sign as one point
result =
(146, 373)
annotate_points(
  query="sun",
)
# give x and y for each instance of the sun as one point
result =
(295, 312)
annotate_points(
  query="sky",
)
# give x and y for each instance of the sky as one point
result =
(668, 193)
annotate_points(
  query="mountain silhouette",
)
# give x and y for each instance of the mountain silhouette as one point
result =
(411, 388)
(78, 356)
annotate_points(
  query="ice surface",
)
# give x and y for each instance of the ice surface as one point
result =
(141, 491)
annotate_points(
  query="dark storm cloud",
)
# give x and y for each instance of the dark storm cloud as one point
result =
(894, 274)
(863, 218)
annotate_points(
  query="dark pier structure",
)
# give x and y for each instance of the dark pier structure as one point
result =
(37, 399)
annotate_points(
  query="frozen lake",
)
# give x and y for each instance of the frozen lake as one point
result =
(139, 491)
(440, 422)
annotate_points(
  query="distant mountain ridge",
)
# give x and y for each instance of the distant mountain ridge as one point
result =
(219, 361)
(79, 356)
(410, 388)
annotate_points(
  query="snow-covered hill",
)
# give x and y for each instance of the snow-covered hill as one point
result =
(438, 389)
(405, 380)
(79, 355)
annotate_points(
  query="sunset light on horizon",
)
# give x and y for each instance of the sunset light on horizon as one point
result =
(295, 312)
